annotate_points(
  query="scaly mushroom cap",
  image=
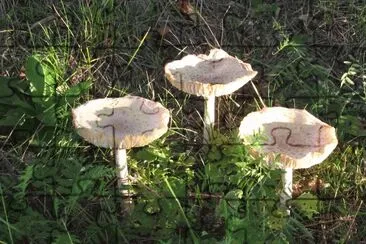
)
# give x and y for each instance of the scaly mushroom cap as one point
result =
(124, 122)
(296, 136)
(214, 75)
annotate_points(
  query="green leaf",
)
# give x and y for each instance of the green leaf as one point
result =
(214, 154)
(152, 206)
(35, 226)
(145, 155)
(10, 97)
(233, 197)
(230, 204)
(236, 224)
(351, 125)
(308, 204)
(278, 219)
(178, 186)
(43, 89)
(43, 137)
(41, 77)
(5, 84)
(78, 89)
(75, 92)
(12, 117)
(25, 179)
(48, 116)
(64, 238)
(11, 85)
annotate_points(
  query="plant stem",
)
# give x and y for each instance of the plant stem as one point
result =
(193, 235)
(121, 163)
(259, 96)
(6, 216)
(209, 118)
(286, 193)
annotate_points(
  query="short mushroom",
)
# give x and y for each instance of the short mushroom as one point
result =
(121, 123)
(209, 76)
(299, 139)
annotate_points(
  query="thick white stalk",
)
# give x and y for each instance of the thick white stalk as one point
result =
(286, 193)
(121, 163)
(209, 118)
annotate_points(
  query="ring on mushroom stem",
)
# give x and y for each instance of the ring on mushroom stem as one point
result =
(120, 124)
(209, 76)
(296, 136)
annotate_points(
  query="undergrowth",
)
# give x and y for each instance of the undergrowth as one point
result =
(57, 188)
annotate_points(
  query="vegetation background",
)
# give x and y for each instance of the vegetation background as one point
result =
(57, 188)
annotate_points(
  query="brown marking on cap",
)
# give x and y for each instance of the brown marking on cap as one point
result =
(216, 74)
(289, 135)
(307, 141)
(131, 121)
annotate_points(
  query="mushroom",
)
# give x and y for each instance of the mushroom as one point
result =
(294, 136)
(209, 76)
(121, 123)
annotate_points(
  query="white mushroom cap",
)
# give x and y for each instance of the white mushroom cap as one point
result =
(296, 136)
(121, 123)
(214, 75)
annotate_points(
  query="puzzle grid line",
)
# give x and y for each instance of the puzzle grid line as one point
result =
(238, 97)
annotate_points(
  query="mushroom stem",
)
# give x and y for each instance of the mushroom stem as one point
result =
(286, 193)
(209, 118)
(121, 163)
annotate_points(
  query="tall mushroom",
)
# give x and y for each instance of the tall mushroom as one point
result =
(299, 139)
(121, 123)
(209, 76)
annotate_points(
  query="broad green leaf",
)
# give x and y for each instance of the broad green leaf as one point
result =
(8, 94)
(41, 77)
(18, 104)
(42, 80)
(11, 85)
(5, 87)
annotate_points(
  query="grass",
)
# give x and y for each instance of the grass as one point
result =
(58, 188)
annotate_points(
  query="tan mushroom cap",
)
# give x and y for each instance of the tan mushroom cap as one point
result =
(215, 74)
(123, 123)
(296, 136)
